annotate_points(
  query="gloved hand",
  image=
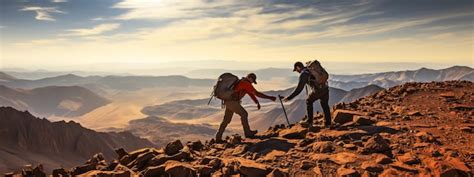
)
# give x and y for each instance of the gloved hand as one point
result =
(258, 106)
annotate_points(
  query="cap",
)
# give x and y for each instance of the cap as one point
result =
(253, 76)
(297, 64)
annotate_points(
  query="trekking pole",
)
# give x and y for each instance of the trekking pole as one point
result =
(284, 110)
(210, 99)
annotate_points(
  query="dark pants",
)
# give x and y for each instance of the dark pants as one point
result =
(232, 107)
(323, 95)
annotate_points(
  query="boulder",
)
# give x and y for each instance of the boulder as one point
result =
(341, 116)
(408, 158)
(252, 168)
(343, 158)
(371, 166)
(37, 171)
(376, 144)
(173, 148)
(278, 173)
(295, 132)
(362, 120)
(382, 159)
(153, 171)
(179, 169)
(347, 172)
(235, 140)
(196, 145)
(120, 152)
(323, 147)
(425, 137)
(449, 167)
(414, 113)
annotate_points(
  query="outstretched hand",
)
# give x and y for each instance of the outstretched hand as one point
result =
(273, 98)
(258, 106)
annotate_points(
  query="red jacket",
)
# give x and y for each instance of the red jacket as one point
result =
(245, 87)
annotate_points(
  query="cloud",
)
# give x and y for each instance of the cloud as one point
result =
(58, 1)
(96, 30)
(43, 13)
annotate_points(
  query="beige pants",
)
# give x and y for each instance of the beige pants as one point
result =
(232, 107)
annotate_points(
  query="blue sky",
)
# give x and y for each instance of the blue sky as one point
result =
(43, 33)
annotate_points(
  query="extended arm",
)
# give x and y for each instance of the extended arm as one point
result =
(262, 95)
(302, 81)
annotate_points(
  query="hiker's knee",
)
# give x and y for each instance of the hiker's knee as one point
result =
(244, 114)
(225, 122)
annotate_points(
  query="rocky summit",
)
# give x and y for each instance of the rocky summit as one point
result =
(415, 129)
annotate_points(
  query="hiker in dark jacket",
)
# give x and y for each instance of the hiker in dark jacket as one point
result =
(318, 91)
(243, 87)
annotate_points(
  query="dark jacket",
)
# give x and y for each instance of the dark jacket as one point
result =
(306, 78)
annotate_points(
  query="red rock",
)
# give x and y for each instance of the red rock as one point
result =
(347, 172)
(376, 144)
(414, 113)
(450, 167)
(382, 159)
(173, 147)
(425, 137)
(179, 169)
(409, 158)
(323, 147)
(98, 173)
(350, 146)
(278, 173)
(295, 132)
(341, 116)
(362, 120)
(252, 168)
(346, 158)
(371, 166)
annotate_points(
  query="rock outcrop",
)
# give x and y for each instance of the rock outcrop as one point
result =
(25, 139)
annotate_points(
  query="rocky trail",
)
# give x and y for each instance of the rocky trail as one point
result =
(415, 129)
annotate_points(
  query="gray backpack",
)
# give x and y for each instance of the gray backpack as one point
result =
(224, 87)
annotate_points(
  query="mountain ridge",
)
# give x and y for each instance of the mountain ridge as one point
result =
(28, 139)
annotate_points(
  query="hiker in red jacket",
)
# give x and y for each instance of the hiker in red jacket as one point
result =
(244, 86)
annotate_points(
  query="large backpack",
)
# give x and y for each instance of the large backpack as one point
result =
(319, 73)
(224, 87)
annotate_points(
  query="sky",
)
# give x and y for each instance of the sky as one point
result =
(80, 34)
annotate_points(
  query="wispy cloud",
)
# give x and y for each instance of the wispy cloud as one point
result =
(43, 13)
(96, 30)
(58, 1)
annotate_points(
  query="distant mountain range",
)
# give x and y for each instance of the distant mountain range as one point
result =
(345, 82)
(67, 101)
(25, 139)
(98, 83)
(390, 79)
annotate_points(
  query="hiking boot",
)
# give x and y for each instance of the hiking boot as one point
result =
(306, 124)
(251, 134)
(219, 141)
(330, 126)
